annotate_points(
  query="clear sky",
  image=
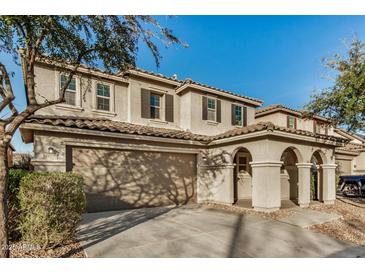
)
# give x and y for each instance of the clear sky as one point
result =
(273, 58)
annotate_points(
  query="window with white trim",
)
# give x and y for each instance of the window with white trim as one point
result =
(71, 91)
(291, 121)
(102, 97)
(155, 106)
(238, 115)
(212, 109)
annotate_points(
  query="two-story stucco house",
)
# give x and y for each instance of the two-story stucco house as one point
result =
(142, 139)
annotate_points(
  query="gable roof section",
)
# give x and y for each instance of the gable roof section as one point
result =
(188, 83)
(348, 135)
(128, 128)
(277, 108)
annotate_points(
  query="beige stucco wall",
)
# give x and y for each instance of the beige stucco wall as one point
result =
(280, 119)
(125, 103)
(47, 86)
(358, 164)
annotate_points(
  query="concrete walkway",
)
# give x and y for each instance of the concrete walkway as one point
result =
(304, 217)
(201, 232)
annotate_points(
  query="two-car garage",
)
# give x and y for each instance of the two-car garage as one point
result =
(124, 179)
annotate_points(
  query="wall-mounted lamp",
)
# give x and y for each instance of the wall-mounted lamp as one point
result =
(52, 150)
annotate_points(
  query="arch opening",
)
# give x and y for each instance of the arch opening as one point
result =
(242, 178)
(289, 175)
(316, 180)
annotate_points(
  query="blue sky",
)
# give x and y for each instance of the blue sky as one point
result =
(274, 58)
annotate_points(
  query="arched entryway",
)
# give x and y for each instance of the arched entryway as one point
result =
(316, 184)
(289, 174)
(242, 178)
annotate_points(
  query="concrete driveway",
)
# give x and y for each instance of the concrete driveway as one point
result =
(201, 232)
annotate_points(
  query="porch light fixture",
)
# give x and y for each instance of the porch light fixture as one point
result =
(52, 150)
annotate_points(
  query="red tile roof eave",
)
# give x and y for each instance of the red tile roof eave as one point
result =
(167, 133)
(179, 83)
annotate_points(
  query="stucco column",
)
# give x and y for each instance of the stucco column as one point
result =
(304, 179)
(266, 185)
(329, 183)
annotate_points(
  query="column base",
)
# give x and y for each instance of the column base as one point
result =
(264, 209)
(330, 202)
(303, 205)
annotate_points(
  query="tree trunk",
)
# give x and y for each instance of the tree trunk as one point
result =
(4, 243)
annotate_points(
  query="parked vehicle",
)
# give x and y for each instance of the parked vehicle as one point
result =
(352, 185)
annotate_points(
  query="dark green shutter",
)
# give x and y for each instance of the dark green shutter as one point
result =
(205, 108)
(233, 115)
(244, 113)
(219, 118)
(145, 104)
(169, 108)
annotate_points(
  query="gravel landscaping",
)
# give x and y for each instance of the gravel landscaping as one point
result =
(24, 250)
(276, 215)
(351, 227)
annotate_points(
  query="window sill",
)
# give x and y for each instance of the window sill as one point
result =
(69, 107)
(212, 123)
(104, 112)
(158, 121)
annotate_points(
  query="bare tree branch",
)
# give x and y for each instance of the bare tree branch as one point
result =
(7, 92)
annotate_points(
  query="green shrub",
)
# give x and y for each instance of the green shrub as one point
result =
(15, 176)
(51, 206)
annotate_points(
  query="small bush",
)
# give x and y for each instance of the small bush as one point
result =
(15, 176)
(51, 205)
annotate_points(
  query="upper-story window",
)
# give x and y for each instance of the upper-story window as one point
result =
(155, 106)
(238, 117)
(212, 109)
(71, 91)
(103, 97)
(292, 122)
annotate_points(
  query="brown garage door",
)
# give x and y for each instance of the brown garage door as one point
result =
(116, 179)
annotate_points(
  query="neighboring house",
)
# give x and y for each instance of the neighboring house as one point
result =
(143, 139)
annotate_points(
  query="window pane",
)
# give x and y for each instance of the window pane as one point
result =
(211, 103)
(103, 90)
(238, 115)
(102, 103)
(71, 85)
(70, 98)
(291, 122)
(211, 115)
(155, 113)
(155, 100)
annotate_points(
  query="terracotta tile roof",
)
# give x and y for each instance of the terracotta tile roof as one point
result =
(128, 128)
(352, 147)
(271, 127)
(278, 107)
(345, 133)
(179, 83)
(114, 126)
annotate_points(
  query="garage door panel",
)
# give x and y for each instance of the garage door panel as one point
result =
(116, 179)
(344, 167)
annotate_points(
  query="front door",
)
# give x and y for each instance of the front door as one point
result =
(242, 164)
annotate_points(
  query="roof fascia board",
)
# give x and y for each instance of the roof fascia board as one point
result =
(217, 92)
(38, 127)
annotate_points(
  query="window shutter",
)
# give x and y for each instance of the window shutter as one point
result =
(145, 103)
(244, 114)
(295, 123)
(219, 118)
(314, 126)
(205, 108)
(169, 108)
(326, 130)
(233, 116)
(287, 121)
